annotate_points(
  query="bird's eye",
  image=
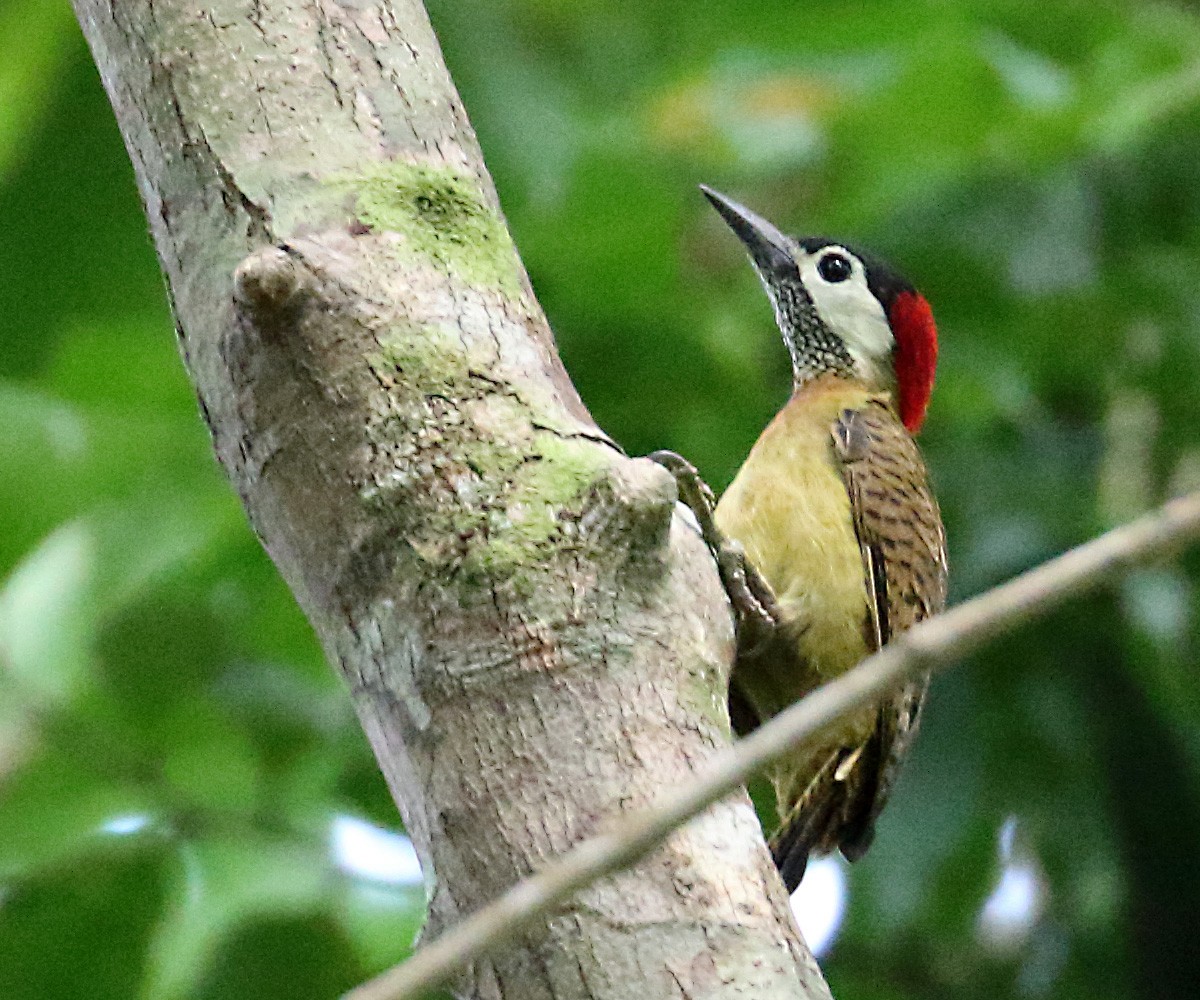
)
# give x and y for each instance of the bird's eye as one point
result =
(833, 267)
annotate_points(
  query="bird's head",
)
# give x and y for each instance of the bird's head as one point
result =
(842, 311)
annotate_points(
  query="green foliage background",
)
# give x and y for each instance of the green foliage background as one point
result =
(173, 750)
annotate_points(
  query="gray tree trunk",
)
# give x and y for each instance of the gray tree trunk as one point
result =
(533, 640)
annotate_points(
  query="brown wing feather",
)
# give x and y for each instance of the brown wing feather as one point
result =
(895, 514)
(903, 543)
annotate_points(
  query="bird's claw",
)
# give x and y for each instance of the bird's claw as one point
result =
(750, 595)
(693, 492)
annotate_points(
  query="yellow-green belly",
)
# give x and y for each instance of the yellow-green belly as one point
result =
(789, 508)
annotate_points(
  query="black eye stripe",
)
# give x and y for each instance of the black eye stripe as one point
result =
(834, 268)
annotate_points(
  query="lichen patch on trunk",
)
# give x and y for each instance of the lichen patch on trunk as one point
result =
(500, 489)
(441, 216)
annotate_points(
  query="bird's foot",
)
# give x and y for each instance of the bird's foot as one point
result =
(751, 596)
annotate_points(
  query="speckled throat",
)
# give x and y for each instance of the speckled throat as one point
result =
(813, 348)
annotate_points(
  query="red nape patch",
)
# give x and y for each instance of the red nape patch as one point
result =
(915, 355)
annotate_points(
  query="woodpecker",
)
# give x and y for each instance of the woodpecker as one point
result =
(829, 538)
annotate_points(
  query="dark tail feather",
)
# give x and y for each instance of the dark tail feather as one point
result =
(790, 855)
(805, 830)
(831, 814)
(858, 826)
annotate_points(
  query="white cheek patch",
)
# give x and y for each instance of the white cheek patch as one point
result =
(850, 311)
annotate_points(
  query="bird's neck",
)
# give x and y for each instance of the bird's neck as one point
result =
(817, 359)
(815, 354)
(821, 360)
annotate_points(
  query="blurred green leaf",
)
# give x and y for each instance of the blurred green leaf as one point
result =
(82, 930)
(33, 36)
(45, 633)
(381, 921)
(53, 810)
(302, 958)
(216, 887)
(210, 761)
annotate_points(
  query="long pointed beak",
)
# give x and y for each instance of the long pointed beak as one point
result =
(767, 245)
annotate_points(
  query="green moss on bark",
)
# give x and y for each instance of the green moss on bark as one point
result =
(442, 218)
(428, 359)
(534, 491)
(518, 488)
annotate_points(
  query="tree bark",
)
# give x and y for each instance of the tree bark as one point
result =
(535, 642)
